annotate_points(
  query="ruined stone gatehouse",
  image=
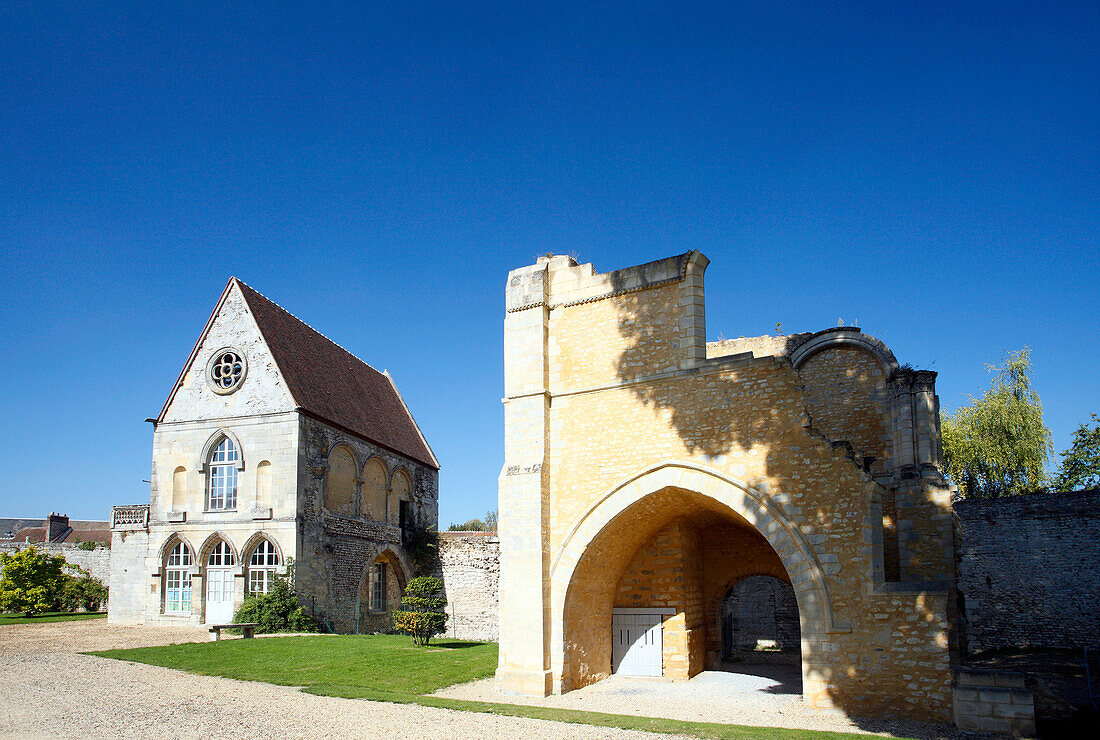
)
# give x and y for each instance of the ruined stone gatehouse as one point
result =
(275, 446)
(654, 484)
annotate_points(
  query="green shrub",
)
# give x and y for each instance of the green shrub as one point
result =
(87, 545)
(33, 581)
(82, 591)
(423, 614)
(276, 611)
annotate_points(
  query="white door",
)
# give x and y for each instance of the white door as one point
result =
(219, 596)
(636, 647)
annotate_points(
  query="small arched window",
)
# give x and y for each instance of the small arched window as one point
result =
(177, 580)
(222, 477)
(262, 566)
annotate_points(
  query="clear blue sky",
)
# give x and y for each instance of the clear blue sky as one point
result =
(929, 169)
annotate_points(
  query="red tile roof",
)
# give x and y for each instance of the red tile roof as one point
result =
(328, 382)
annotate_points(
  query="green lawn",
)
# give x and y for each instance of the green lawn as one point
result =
(388, 668)
(48, 617)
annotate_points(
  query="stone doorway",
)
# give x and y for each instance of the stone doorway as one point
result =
(759, 617)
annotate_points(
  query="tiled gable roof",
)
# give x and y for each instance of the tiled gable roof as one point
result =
(330, 383)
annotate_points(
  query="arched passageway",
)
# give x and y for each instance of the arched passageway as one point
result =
(668, 558)
(759, 615)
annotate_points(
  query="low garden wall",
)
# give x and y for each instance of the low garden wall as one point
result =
(97, 562)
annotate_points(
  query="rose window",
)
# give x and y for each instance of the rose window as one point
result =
(226, 370)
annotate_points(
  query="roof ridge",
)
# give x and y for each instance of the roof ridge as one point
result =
(339, 346)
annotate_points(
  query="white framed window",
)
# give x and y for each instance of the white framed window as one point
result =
(177, 580)
(261, 567)
(377, 586)
(221, 556)
(222, 477)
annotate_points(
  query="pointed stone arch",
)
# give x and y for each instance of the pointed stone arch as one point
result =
(170, 543)
(402, 570)
(341, 495)
(375, 493)
(208, 544)
(213, 441)
(254, 540)
(723, 493)
(401, 489)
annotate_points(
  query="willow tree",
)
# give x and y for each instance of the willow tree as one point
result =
(997, 445)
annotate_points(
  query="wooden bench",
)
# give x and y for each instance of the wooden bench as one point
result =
(248, 628)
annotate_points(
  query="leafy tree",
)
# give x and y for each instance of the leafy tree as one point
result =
(424, 612)
(33, 581)
(998, 444)
(488, 524)
(1081, 462)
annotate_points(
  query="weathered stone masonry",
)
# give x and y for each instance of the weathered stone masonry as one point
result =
(1028, 570)
(621, 421)
(470, 569)
(325, 468)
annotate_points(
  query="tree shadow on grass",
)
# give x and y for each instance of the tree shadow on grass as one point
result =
(455, 644)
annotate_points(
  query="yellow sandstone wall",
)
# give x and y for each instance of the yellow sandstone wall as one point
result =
(845, 392)
(623, 384)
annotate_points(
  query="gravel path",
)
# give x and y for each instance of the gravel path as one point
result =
(768, 699)
(50, 691)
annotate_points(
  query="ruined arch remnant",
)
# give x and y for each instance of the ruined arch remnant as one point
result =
(646, 470)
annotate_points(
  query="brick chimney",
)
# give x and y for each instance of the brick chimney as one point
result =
(56, 526)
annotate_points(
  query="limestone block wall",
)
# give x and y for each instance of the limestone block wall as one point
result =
(130, 580)
(1027, 570)
(266, 478)
(470, 569)
(97, 562)
(266, 507)
(731, 553)
(667, 571)
(263, 390)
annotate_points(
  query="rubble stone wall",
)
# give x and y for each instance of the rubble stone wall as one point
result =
(1027, 570)
(470, 564)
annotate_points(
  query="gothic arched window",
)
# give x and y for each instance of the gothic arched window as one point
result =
(177, 580)
(262, 566)
(221, 489)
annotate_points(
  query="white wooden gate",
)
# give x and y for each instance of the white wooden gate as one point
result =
(636, 648)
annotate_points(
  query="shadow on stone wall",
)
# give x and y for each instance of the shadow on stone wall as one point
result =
(752, 418)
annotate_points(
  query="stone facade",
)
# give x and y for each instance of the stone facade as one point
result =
(630, 443)
(1028, 570)
(323, 497)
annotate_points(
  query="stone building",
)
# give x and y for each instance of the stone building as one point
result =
(649, 475)
(275, 446)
